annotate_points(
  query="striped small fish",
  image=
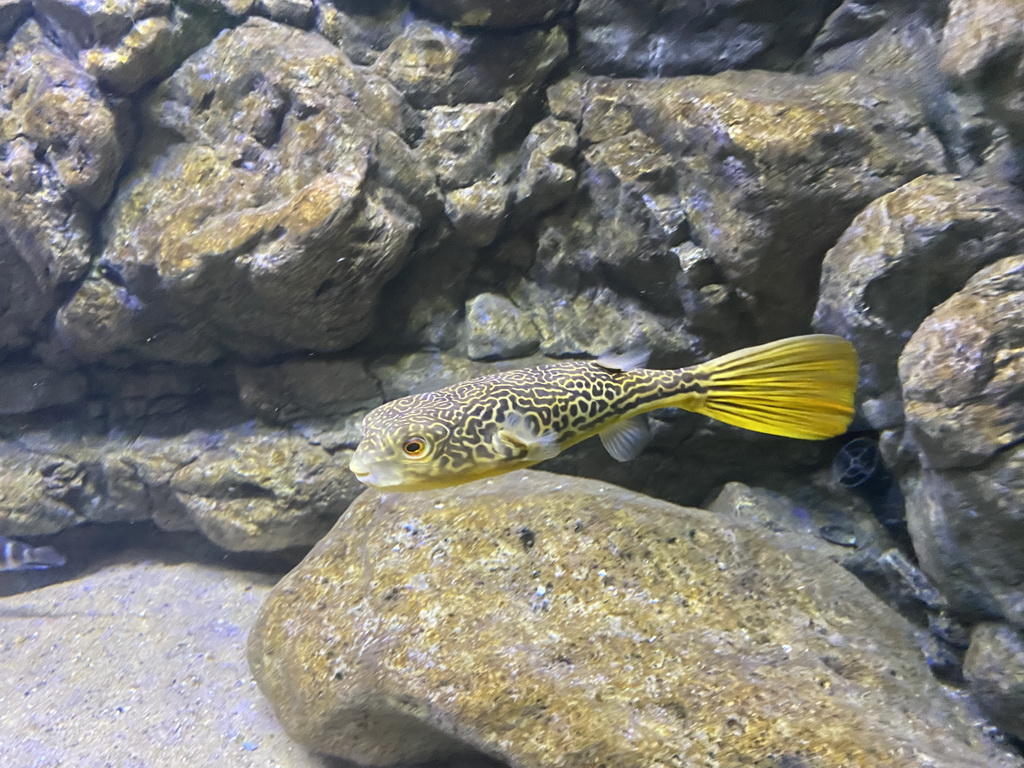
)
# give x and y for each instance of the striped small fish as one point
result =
(19, 556)
(802, 387)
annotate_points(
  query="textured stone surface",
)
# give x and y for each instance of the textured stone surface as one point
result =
(301, 389)
(771, 168)
(546, 620)
(433, 65)
(25, 388)
(961, 374)
(678, 37)
(983, 48)
(245, 488)
(133, 657)
(495, 329)
(496, 13)
(900, 257)
(994, 667)
(263, 230)
(126, 44)
(60, 152)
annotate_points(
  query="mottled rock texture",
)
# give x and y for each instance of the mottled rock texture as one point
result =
(433, 65)
(961, 374)
(61, 148)
(994, 667)
(678, 37)
(550, 621)
(901, 256)
(772, 167)
(983, 49)
(126, 44)
(245, 489)
(272, 222)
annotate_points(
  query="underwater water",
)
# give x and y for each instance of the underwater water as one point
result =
(397, 383)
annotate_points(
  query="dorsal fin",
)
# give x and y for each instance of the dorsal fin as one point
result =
(627, 361)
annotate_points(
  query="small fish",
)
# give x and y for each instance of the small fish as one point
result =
(801, 387)
(19, 556)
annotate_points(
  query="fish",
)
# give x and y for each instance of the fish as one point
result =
(801, 387)
(19, 556)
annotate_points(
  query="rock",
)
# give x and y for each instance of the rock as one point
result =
(270, 232)
(31, 498)
(772, 168)
(146, 646)
(362, 30)
(29, 387)
(61, 149)
(627, 38)
(244, 487)
(435, 66)
(11, 14)
(983, 49)
(496, 329)
(305, 389)
(548, 620)
(901, 256)
(546, 177)
(833, 523)
(477, 212)
(961, 374)
(596, 321)
(264, 492)
(461, 143)
(496, 13)
(127, 44)
(994, 667)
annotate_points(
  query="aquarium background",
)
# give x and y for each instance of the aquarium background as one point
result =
(228, 229)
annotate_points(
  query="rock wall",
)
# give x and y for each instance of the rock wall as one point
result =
(229, 227)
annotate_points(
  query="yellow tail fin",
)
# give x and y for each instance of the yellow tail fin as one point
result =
(800, 387)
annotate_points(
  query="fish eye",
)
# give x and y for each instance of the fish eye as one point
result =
(414, 447)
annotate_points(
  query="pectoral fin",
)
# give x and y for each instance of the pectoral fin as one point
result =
(517, 434)
(625, 440)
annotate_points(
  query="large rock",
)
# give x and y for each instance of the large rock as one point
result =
(900, 257)
(961, 374)
(550, 621)
(771, 168)
(654, 37)
(983, 50)
(61, 149)
(244, 488)
(994, 667)
(126, 44)
(433, 65)
(271, 224)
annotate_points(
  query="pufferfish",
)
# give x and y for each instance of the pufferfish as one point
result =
(801, 387)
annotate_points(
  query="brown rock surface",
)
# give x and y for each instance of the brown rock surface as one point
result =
(272, 224)
(994, 667)
(983, 48)
(773, 168)
(901, 256)
(61, 149)
(546, 620)
(961, 374)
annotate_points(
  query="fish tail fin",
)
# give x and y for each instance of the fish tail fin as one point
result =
(801, 387)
